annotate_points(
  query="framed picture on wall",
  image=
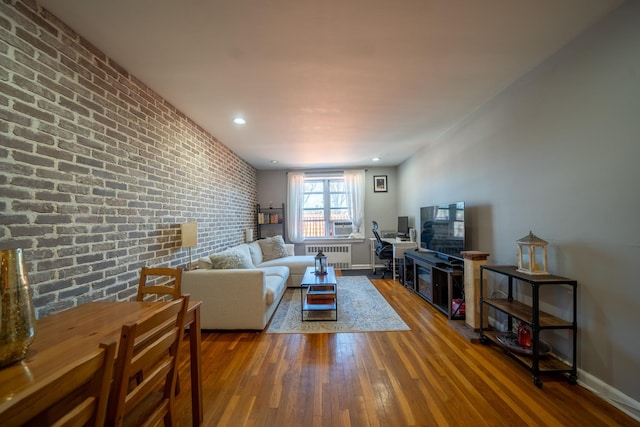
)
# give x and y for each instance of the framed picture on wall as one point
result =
(380, 183)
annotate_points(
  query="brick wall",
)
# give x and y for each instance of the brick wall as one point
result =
(97, 171)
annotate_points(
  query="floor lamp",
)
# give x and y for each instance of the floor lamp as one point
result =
(189, 232)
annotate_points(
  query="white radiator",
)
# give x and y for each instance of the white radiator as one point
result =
(338, 256)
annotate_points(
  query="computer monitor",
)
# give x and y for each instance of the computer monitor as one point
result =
(403, 226)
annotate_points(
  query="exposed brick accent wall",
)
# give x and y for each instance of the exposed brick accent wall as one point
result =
(97, 171)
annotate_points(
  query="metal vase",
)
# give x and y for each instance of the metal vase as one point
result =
(17, 315)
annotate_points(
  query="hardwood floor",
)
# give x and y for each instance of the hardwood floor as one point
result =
(429, 376)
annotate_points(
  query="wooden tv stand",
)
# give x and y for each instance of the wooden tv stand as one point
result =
(437, 278)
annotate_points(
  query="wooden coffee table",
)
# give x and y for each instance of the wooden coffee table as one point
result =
(318, 293)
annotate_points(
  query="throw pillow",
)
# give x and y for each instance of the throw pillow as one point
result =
(230, 259)
(205, 263)
(245, 253)
(273, 248)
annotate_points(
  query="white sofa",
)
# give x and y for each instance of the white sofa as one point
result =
(246, 297)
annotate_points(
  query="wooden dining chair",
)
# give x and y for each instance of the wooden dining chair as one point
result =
(159, 281)
(75, 395)
(150, 345)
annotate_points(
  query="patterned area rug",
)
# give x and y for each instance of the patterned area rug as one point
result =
(367, 273)
(361, 308)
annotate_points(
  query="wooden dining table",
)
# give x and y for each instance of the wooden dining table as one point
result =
(71, 334)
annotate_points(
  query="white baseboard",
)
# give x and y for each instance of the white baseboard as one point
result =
(604, 391)
(360, 267)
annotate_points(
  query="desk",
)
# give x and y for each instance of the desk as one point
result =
(399, 248)
(79, 330)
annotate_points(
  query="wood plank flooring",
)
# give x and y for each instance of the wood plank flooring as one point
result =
(429, 376)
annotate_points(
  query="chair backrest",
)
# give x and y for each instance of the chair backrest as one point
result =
(164, 281)
(384, 250)
(76, 395)
(375, 232)
(150, 345)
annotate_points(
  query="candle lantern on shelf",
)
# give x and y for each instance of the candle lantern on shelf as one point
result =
(320, 263)
(532, 255)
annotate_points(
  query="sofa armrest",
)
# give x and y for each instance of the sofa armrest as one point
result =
(229, 297)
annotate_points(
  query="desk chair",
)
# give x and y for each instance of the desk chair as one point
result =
(171, 286)
(151, 345)
(384, 250)
(76, 394)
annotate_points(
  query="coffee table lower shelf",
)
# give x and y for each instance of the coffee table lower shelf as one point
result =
(316, 301)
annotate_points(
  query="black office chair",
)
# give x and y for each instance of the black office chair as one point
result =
(384, 251)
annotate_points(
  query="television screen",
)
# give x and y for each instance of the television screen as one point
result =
(442, 228)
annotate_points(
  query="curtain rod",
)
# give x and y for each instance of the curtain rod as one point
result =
(325, 172)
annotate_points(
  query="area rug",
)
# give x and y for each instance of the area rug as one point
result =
(367, 273)
(361, 308)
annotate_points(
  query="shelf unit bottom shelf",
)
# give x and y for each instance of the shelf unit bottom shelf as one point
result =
(546, 364)
(319, 298)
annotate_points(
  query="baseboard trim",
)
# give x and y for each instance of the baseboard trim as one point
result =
(360, 267)
(614, 396)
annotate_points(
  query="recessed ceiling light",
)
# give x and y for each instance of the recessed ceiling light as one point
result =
(239, 121)
(274, 161)
(376, 159)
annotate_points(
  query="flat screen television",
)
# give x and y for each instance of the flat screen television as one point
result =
(442, 228)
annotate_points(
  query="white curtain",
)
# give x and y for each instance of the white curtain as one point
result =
(355, 185)
(295, 199)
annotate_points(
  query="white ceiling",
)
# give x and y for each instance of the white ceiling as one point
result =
(326, 83)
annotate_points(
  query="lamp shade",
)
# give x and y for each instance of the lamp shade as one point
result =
(189, 234)
(248, 235)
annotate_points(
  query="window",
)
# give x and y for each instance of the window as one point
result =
(317, 201)
(325, 201)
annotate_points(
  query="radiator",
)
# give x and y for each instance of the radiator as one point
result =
(338, 256)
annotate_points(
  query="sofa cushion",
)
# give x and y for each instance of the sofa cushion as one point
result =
(273, 248)
(204, 263)
(256, 252)
(297, 264)
(243, 250)
(274, 286)
(236, 257)
(279, 271)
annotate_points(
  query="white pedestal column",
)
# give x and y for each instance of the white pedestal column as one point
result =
(472, 262)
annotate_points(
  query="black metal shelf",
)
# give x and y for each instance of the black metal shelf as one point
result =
(535, 318)
(264, 224)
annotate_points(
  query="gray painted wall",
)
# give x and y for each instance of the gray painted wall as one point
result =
(557, 153)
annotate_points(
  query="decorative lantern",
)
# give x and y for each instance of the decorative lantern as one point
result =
(321, 263)
(532, 255)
